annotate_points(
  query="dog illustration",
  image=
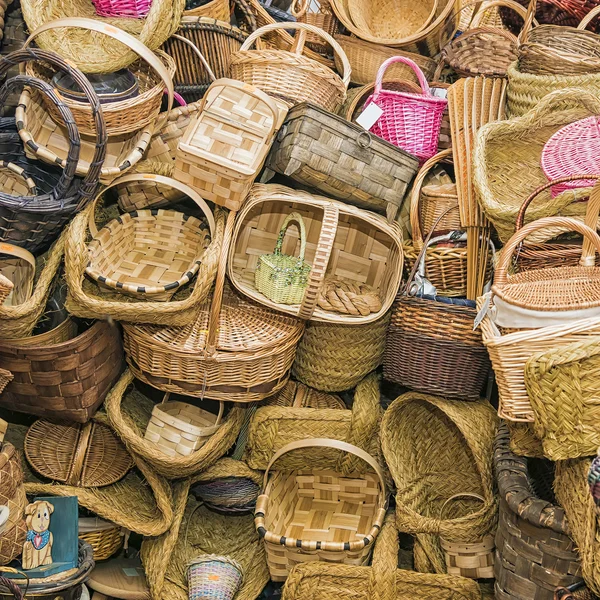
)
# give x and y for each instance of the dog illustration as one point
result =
(37, 549)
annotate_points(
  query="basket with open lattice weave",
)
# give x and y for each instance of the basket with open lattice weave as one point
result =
(104, 537)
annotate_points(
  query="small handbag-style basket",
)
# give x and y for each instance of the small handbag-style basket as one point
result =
(409, 121)
(319, 515)
(280, 277)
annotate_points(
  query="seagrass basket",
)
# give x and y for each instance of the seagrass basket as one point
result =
(341, 160)
(104, 537)
(291, 76)
(432, 462)
(328, 516)
(87, 455)
(344, 245)
(538, 525)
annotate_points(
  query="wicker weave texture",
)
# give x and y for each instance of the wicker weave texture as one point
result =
(106, 539)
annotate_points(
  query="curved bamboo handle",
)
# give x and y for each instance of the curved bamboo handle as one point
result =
(299, 47)
(520, 10)
(407, 61)
(18, 252)
(161, 179)
(501, 276)
(528, 22)
(299, 8)
(197, 52)
(293, 218)
(589, 18)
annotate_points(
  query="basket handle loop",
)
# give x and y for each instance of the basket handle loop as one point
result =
(518, 8)
(292, 218)
(122, 36)
(299, 8)
(162, 179)
(316, 276)
(347, 70)
(528, 22)
(18, 252)
(21, 174)
(83, 442)
(197, 52)
(501, 276)
(589, 18)
(459, 495)
(382, 581)
(407, 61)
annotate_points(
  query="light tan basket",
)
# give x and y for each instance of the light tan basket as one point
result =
(306, 516)
(178, 429)
(104, 537)
(17, 272)
(225, 146)
(215, 9)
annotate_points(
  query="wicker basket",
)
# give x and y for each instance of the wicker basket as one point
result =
(104, 537)
(554, 12)
(344, 243)
(289, 75)
(17, 269)
(289, 512)
(87, 455)
(212, 576)
(319, 14)
(341, 160)
(215, 9)
(224, 147)
(14, 530)
(91, 51)
(429, 463)
(149, 253)
(153, 72)
(547, 557)
(66, 380)
(179, 429)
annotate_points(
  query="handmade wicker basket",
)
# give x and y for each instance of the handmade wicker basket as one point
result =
(552, 12)
(215, 9)
(17, 269)
(328, 516)
(104, 537)
(319, 14)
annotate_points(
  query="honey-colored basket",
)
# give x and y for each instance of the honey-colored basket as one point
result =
(320, 15)
(17, 268)
(326, 515)
(104, 537)
(87, 455)
(215, 9)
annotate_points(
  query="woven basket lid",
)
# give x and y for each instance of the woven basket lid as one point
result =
(573, 150)
(87, 455)
(445, 190)
(298, 395)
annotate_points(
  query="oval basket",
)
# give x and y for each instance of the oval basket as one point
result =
(104, 537)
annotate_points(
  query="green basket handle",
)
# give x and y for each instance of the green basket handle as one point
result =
(292, 218)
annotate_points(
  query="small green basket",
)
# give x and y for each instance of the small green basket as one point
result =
(280, 277)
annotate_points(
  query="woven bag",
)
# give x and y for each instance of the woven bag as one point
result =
(537, 526)
(341, 160)
(409, 121)
(289, 75)
(104, 537)
(89, 51)
(327, 581)
(280, 277)
(449, 451)
(327, 515)
(344, 244)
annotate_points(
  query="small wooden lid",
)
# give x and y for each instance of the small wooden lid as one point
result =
(121, 578)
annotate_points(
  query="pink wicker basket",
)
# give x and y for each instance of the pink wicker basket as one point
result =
(571, 150)
(135, 9)
(410, 121)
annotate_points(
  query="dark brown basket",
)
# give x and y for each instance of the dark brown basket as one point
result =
(431, 348)
(67, 380)
(534, 553)
(342, 160)
(554, 12)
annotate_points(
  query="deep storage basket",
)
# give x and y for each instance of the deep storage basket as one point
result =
(341, 160)
(328, 516)
(344, 244)
(66, 380)
(432, 462)
(104, 537)
(289, 75)
(538, 527)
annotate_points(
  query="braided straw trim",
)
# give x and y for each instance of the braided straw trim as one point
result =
(348, 298)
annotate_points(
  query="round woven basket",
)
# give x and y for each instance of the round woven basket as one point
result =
(104, 537)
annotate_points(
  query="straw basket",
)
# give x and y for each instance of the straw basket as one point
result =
(427, 37)
(341, 160)
(323, 18)
(290, 75)
(537, 525)
(235, 350)
(324, 514)
(430, 463)
(104, 537)
(215, 9)
(212, 576)
(89, 51)
(345, 245)
(409, 121)
(153, 72)
(87, 455)
(149, 253)
(17, 270)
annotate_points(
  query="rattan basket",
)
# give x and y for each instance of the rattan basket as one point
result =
(87, 455)
(328, 516)
(319, 14)
(215, 9)
(289, 75)
(104, 537)
(344, 243)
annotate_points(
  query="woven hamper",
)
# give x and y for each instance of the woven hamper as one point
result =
(437, 449)
(341, 160)
(534, 553)
(104, 537)
(330, 516)
(67, 380)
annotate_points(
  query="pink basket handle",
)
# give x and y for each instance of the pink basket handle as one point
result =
(407, 61)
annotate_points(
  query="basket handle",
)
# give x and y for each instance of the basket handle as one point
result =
(528, 22)
(83, 442)
(21, 174)
(518, 8)
(299, 8)
(162, 179)
(407, 61)
(292, 218)
(298, 46)
(459, 495)
(552, 101)
(17, 252)
(382, 583)
(121, 36)
(415, 197)
(589, 18)
(501, 276)
(197, 52)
